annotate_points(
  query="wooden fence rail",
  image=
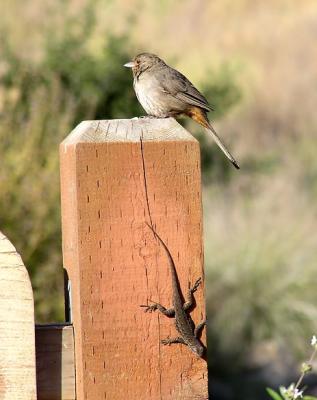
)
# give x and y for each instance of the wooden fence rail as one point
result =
(55, 363)
(118, 178)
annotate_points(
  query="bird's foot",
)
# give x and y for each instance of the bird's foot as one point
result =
(147, 117)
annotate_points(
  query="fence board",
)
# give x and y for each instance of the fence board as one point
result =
(17, 346)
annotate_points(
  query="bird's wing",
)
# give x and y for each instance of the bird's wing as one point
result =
(180, 87)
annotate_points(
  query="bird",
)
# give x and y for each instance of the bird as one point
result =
(165, 92)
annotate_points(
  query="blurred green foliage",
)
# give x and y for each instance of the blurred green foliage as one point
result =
(41, 103)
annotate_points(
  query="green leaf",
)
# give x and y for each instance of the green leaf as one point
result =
(274, 394)
(309, 398)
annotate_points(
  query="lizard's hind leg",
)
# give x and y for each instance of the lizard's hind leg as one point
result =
(190, 295)
(169, 312)
(198, 329)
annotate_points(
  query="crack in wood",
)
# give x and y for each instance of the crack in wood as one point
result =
(151, 223)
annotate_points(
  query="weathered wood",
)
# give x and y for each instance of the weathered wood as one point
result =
(17, 347)
(112, 183)
(55, 364)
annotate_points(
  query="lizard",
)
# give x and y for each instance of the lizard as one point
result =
(189, 334)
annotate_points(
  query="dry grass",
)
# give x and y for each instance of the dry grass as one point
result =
(261, 257)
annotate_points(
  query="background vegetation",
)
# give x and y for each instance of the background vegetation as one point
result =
(61, 62)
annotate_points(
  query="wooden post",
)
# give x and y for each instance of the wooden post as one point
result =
(116, 176)
(17, 344)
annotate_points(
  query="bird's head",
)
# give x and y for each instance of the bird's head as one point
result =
(143, 62)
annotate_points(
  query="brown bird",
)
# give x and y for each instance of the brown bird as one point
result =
(164, 92)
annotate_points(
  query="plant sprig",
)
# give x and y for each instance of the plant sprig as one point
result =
(294, 391)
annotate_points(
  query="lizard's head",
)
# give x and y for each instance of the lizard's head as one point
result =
(198, 349)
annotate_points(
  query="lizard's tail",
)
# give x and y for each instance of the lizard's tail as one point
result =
(162, 243)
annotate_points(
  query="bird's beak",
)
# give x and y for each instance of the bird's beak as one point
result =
(130, 64)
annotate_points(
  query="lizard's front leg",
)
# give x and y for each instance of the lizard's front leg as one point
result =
(169, 341)
(190, 295)
(169, 312)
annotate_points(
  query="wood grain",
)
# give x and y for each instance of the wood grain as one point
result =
(17, 347)
(55, 363)
(115, 176)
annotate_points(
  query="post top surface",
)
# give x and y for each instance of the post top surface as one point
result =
(128, 130)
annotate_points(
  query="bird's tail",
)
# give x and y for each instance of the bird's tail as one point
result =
(217, 139)
(198, 115)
